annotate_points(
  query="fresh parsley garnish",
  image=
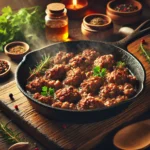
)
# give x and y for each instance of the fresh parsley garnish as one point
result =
(100, 72)
(26, 24)
(47, 91)
(120, 64)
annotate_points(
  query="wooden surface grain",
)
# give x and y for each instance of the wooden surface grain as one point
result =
(53, 134)
(75, 33)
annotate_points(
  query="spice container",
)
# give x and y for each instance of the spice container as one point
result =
(97, 27)
(56, 22)
(4, 67)
(16, 50)
(124, 12)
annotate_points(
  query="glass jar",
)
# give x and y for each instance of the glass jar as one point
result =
(56, 22)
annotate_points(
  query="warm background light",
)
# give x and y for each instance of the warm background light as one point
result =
(74, 3)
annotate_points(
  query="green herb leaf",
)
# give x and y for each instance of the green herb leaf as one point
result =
(18, 25)
(44, 88)
(146, 54)
(47, 91)
(44, 93)
(51, 91)
(121, 64)
(9, 135)
(97, 71)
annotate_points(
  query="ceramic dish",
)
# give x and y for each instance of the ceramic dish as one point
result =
(16, 50)
(124, 17)
(7, 67)
(97, 26)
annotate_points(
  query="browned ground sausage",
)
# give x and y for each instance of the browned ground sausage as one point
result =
(118, 76)
(78, 87)
(44, 99)
(90, 54)
(64, 105)
(62, 57)
(56, 84)
(35, 85)
(69, 94)
(80, 61)
(112, 101)
(56, 73)
(74, 77)
(127, 89)
(110, 90)
(89, 102)
(105, 61)
(91, 85)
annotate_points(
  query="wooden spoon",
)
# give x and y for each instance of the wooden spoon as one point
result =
(133, 137)
(20, 146)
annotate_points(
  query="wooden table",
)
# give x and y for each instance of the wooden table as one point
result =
(75, 33)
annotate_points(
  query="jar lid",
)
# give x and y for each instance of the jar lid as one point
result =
(56, 7)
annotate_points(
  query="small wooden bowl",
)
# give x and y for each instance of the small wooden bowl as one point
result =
(14, 55)
(97, 32)
(8, 70)
(123, 18)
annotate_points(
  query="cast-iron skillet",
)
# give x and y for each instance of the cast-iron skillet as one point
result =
(117, 49)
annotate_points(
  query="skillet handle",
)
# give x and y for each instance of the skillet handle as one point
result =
(140, 31)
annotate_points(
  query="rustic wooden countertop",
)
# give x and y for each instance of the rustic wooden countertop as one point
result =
(75, 34)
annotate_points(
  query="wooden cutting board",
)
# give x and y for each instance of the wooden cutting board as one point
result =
(56, 135)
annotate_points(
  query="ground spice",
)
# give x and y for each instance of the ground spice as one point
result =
(125, 8)
(18, 49)
(3, 66)
(98, 21)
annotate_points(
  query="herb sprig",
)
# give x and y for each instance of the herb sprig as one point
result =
(47, 91)
(144, 52)
(120, 64)
(100, 72)
(40, 67)
(9, 135)
(25, 25)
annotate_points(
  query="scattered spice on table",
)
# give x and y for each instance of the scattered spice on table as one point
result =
(126, 7)
(11, 96)
(3, 66)
(64, 126)
(18, 49)
(98, 21)
(16, 107)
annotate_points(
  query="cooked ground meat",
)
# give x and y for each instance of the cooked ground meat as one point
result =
(44, 99)
(62, 57)
(105, 61)
(79, 61)
(35, 85)
(77, 86)
(131, 79)
(112, 101)
(89, 102)
(127, 89)
(56, 73)
(90, 54)
(110, 90)
(56, 84)
(64, 105)
(118, 76)
(69, 94)
(91, 85)
(74, 77)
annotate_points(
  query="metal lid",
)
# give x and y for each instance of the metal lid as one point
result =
(56, 7)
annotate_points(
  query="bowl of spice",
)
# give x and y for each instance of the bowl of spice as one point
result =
(4, 67)
(124, 12)
(97, 26)
(16, 50)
